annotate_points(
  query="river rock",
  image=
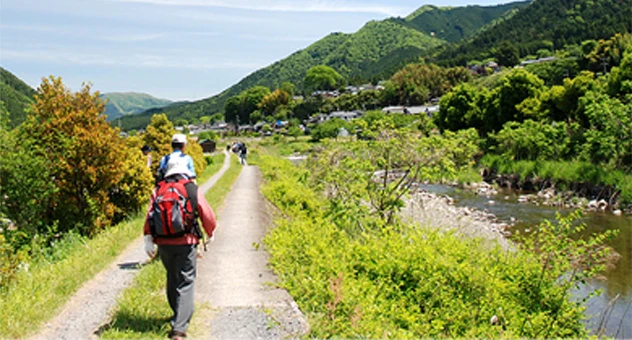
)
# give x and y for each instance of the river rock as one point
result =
(602, 204)
(524, 198)
(547, 193)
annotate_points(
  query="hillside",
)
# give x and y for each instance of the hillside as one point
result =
(129, 103)
(457, 23)
(353, 55)
(545, 24)
(16, 96)
(375, 51)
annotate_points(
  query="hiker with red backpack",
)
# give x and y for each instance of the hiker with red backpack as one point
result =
(172, 224)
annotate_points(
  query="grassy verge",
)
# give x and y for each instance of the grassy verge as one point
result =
(212, 168)
(564, 173)
(39, 292)
(142, 310)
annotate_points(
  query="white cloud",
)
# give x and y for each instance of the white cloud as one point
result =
(129, 38)
(41, 55)
(278, 38)
(135, 60)
(283, 5)
(212, 17)
(75, 33)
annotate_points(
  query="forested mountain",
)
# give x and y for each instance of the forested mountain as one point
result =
(545, 24)
(121, 104)
(456, 23)
(376, 51)
(16, 96)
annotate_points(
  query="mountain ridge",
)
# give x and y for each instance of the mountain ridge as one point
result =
(120, 104)
(375, 51)
(545, 24)
(16, 96)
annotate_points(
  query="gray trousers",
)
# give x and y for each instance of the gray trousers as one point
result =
(180, 263)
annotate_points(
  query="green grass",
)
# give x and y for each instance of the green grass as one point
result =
(142, 310)
(213, 168)
(38, 293)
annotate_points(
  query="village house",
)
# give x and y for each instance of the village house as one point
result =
(346, 115)
(208, 146)
(427, 109)
(537, 61)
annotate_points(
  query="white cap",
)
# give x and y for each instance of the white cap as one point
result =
(177, 165)
(179, 138)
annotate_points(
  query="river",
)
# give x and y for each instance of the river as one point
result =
(617, 283)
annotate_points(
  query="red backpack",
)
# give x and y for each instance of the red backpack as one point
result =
(173, 213)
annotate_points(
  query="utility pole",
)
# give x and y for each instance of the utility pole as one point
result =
(604, 63)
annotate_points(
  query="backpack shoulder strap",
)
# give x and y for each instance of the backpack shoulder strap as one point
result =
(192, 189)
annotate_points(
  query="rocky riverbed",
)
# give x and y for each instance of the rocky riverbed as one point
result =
(552, 197)
(438, 211)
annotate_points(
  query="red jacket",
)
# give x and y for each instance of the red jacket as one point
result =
(206, 215)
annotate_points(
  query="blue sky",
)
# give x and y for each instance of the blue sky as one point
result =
(173, 49)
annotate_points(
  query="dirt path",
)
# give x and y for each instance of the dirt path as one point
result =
(233, 277)
(90, 306)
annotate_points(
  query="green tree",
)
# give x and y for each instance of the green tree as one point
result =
(620, 80)
(460, 108)
(321, 77)
(256, 116)
(515, 88)
(232, 109)
(4, 116)
(83, 153)
(531, 140)
(237, 109)
(26, 187)
(252, 97)
(561, 103)
(181, 122)
(158, 136)
(212, 135)
(415, 83)
(294, 131)
(329, 129)
(507, 54)
(270, 102)
(609, 138)
(288, 87)
(205, 120)
(608, 53)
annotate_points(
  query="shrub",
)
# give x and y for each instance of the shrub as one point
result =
(82, 152)
(531, 140)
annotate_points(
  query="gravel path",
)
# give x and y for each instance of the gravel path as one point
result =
(89, 307)
(233, 278)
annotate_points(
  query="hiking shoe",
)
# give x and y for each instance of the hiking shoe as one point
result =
(175, 335)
